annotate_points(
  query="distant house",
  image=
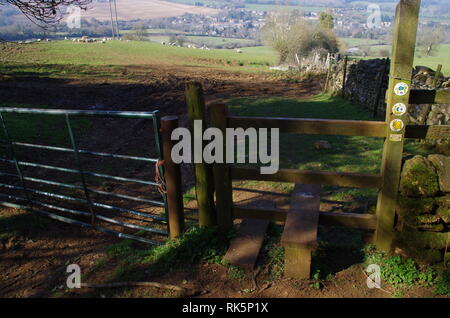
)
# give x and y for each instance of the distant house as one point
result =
(354, 51)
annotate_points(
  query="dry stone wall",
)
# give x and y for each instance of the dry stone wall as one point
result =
(365, 77)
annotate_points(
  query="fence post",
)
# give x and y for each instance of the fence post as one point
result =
(380, 89)
(204, 182)
(328, 73)
(172, 177)
(222, 173)
(405, 32)
(344, 79)
(436, 76)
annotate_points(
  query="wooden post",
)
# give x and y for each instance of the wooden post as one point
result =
(380, 89)
(328, 73)
(172, 176)
(436, 76)
(222, 173)
(344, 78)
(405, 32)
(204, 183)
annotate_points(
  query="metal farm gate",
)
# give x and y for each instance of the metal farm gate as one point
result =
(21, 189)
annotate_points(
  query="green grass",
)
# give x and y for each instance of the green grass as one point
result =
(347, 154)
(209, 41)
(41, 128)
(134, 262)
(440, 56)
(358, 41)
(41, 58)
(404, 273)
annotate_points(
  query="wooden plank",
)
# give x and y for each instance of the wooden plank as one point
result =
(297, 262)
(204, 183)
(300, 231)
(403, 48)
(273, 215)
(244, 248)
(353, 220)
(424, 96)
(343, 179)
(222, 173)
(313, 126)
(427, 132)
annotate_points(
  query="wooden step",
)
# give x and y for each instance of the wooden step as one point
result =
(300, 231)
(244, 248)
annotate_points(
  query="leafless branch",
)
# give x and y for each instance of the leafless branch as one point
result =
(45, 12)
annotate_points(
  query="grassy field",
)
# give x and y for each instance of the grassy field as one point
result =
(441, 56)
(347, 154)
(254, 59)
(359, 42)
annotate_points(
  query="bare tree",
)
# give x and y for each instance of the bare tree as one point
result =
(429, 39)
(45, 12)
(295, 37)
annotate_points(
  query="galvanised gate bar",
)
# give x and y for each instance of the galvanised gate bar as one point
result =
(28, 199)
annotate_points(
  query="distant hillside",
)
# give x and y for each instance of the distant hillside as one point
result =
(143, 9)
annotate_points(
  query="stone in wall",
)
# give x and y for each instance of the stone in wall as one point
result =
(363, 82)
(423, 208)
(419, 178)
(442, 165)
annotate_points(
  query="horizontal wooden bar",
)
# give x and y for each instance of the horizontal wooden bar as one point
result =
(424, 96)
(342, 179)
(353, 220)
(275, 215)
(428, 132)
(313, 126)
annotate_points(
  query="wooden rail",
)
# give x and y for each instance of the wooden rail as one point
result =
(342, 179)
(353, 220)
(427, 132)
(424, 96)
(312, 126)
